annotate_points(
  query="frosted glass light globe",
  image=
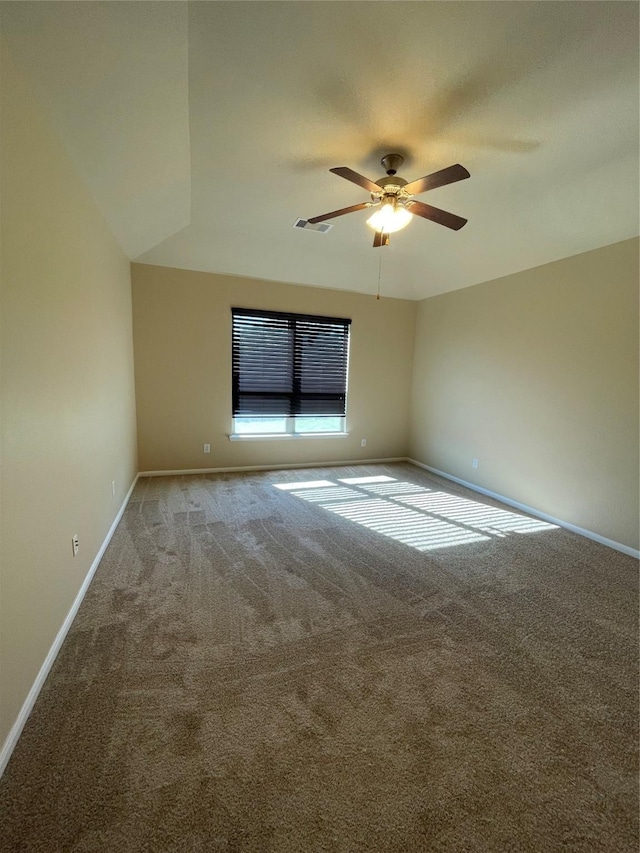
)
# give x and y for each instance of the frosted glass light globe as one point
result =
(389, 218)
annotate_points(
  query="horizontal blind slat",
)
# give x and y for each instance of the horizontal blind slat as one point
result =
(289, 364)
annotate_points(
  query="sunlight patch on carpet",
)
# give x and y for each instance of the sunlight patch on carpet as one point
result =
(416, 516)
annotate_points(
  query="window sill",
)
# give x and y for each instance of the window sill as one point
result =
(286, 436)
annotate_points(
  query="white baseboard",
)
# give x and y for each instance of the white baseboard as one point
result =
(16, 730)
(589, 534)
(240, 468)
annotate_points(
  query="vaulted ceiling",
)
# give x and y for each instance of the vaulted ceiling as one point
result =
(204, 130)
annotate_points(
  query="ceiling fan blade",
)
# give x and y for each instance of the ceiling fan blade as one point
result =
(442, 217)
(438, 179)
(340, 212)
(380, 239)
(355, 178)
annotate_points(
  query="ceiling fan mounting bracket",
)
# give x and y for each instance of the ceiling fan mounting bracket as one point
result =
(391, 163)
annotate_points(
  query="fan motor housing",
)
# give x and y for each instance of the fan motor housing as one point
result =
(392, 181)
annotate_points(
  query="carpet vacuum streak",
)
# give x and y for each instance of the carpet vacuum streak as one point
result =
(363, 658)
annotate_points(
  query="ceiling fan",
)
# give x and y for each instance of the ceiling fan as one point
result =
(392, 196)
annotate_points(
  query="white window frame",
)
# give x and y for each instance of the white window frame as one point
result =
(289, 430)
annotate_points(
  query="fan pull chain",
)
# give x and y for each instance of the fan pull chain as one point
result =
(379, 271)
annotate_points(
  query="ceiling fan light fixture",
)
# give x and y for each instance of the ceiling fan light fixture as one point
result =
(392, 196)
(389, 218)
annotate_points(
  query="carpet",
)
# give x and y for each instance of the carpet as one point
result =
(365, 658)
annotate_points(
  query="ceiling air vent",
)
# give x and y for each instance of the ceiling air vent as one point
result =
(322, 227)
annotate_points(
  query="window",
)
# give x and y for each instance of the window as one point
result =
(289, 373)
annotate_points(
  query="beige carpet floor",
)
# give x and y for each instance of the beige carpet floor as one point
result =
(395, 664)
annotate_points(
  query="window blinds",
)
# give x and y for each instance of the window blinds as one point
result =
(289, 364)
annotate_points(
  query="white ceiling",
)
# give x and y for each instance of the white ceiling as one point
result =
(203, 130)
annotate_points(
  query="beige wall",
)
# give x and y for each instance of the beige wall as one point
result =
(536, 376)
(68, 409)
(182, 340)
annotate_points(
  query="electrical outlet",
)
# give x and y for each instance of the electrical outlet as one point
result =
(475, 463)
(75, 544)
(363, 442)
(207, 448)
